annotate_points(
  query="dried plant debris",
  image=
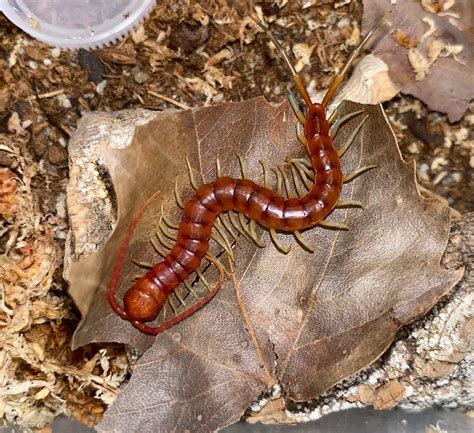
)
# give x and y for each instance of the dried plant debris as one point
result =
(444, 151)
(429, 51)
(276, 315)
(41, 377)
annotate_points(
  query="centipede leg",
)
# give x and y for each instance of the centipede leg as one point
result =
(296, 181)
(248, 229)
(340, 121)
(333, 225)
(306, 175)
(158, 248)
(356, 173)
(163, 240)
(300, 134)
(351, 138)
(266, 175)
(235, 222)
(278, 244)
(243, 167)
(228, 226)
(349, 203)
(177, 195)
(286, 181)
(203, 279)
(223, 242)
(169, 223)
(295, 107)
(144, 265)
(218, 167)
(192, 179)
(167, 232)
(279, 181)
(301, 241)
(190, 288)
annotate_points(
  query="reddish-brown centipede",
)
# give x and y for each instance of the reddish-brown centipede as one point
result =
(145, 299)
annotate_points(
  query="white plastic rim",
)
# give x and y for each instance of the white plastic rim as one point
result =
(72, 27)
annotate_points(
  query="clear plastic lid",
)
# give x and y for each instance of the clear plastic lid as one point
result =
(75, 24)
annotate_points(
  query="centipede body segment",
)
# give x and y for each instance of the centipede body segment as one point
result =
(258, 203)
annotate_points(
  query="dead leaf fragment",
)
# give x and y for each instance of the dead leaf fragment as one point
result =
(437, 68)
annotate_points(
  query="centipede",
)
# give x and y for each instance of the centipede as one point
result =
(315, 129)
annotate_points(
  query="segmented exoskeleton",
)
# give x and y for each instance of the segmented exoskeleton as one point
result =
(145, 299)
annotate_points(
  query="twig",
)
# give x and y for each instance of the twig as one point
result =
(171, 101)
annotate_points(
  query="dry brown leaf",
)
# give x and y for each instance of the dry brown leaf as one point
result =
(303, 320)
(434, 59)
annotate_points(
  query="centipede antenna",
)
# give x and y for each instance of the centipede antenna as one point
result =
(301, 241)
(278, 244)
(350, 140)
(177, 195)
(333, 225)
(295, 107)
(192, 179)
(353, 175)
(266, 175)
(253, 235)
(291, 69)
(279, 181)
(350, 203)
(296, 181)
(158, 248)
(218, 167)
(339, 78)
(300, 134)
(243, 167)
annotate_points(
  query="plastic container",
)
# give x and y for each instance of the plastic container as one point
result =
(74, 24)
